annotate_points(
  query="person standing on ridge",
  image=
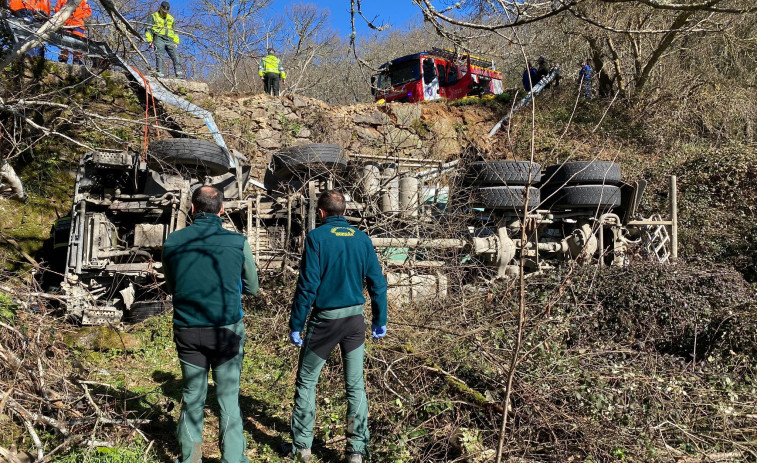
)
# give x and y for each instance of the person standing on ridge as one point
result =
(530, 77)
(31, 11)
(162, 37)
(584, 78)
(272, 73)
(74, 25)
(337, 260)
(207, 269)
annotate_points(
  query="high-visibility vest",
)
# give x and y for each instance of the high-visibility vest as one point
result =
(271, 64)
(162, 27)
(76, 19)
(33, 5)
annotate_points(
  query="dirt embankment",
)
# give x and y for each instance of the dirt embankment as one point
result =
(258, 125)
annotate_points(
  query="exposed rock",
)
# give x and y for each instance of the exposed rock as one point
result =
(406, 114)
(182, 86)
(228, 114)
(304, 132)
(369, 135)
(256, 113)
(398, 138)
(341, 137)
(299, 102)
(269, 139)
(259, 124)
(444, 138)
(372, 118)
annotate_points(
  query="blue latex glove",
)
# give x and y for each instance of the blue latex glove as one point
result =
(294, 338)
(377, 331)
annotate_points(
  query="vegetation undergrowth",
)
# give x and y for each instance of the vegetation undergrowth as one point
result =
(633, 363)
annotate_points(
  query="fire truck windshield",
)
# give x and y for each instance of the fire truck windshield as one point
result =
(400, 73)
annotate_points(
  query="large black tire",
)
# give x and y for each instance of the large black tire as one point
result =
(200, 155)
(308, 158)
(503, 173)
(142, 310)
(583, 172)
(508, 197)
(583, 196)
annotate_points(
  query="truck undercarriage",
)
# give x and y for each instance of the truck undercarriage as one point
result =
(485, 218)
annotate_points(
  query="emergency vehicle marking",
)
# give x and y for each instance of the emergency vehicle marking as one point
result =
(343, 231)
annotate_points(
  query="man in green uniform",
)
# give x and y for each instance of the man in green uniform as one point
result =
(337, 260)
(207, 269)
(272, 72)
(162, 37)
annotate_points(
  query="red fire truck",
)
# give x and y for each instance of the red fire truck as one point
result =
(435, 74)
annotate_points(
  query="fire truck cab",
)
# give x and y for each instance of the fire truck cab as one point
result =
(435, 74)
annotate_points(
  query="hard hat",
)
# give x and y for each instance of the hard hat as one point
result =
(165, 6)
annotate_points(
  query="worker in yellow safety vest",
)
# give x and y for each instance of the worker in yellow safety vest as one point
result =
(272, 73)
(161, 36)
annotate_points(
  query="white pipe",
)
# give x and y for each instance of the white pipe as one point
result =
(436, 169)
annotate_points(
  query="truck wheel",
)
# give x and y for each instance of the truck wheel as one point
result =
(583, 196)
(503, 173)
(583, 172)
(142, 310)
(508, 197)
(302, 159)
(188, 152)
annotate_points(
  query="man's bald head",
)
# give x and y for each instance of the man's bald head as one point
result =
(208, 199)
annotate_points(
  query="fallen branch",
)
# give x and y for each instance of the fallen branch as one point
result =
(33, 433)
(713, 458)
(456, 383)
(36, 417)
(23, 253)
(9, 456)
(10, 176)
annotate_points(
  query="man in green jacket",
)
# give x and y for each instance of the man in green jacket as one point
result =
(337, 260)
(207, 269)
(162, 37)
(272, 73)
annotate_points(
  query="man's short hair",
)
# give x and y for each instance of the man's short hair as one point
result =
(332, 201)
(270, 51)
(165, 6)
(208, 199)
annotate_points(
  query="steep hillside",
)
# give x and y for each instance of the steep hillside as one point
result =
(640, 363)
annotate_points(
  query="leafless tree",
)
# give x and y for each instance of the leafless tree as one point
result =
(311, 43)
(626, 39)
(229, 33)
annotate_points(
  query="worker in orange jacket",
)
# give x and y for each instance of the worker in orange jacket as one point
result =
(74, 25)
(31, 11)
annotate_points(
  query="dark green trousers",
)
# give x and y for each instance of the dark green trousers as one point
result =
(219, 350)
(327, 329)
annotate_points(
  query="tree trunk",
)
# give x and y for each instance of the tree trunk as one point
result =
(667, 40)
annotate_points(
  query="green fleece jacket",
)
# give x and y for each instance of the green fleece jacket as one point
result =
(336, 261)
(207, 269)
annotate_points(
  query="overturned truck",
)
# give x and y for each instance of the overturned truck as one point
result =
(434, 225)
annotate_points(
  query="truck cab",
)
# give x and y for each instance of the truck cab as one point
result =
(435, 74)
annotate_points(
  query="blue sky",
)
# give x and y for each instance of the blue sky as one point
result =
(396, 12)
